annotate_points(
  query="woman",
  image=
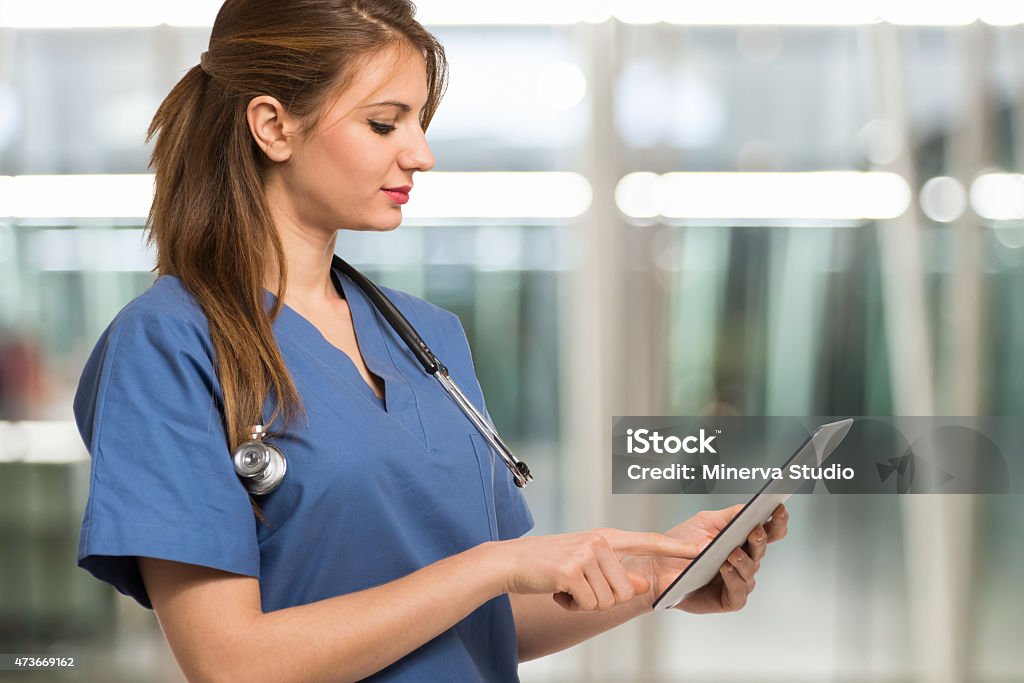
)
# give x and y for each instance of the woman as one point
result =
(394, 546)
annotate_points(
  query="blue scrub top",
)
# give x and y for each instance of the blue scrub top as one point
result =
(374, 491)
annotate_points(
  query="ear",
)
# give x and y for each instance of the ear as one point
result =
(272, 127)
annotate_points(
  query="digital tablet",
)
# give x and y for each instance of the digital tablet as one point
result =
(705, 566)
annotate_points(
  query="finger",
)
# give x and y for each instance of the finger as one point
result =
(649, 543)
(734, 589)
(574, 592)
(757, 543)
(640, 584)
(726, 514)
(718, 519)
(599, 585)
(565, 601)
(779, 524)
(617, 578)
(733, 510)
(582, 594)
(744, 566)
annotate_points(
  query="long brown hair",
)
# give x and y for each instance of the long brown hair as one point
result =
(209, 219)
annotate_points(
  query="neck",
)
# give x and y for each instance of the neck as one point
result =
(308, 252)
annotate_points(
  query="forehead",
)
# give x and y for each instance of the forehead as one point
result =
(395, 74)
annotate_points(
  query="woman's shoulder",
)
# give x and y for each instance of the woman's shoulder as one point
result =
(150, 340)
(168, 298)
(166, 315)
(166, 302)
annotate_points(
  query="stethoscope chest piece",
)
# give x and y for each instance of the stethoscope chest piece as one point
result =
(259, 465)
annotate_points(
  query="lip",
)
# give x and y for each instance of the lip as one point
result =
(399, 195)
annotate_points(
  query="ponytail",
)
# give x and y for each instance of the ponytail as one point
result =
(209, 219)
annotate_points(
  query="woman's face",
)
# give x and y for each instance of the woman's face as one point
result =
(336, 178)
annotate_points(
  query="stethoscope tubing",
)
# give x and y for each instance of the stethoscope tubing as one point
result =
(520, 472)
(433, 366)
(262, 466)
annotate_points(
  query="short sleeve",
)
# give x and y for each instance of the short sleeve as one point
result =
(162, 482)
(514, 518)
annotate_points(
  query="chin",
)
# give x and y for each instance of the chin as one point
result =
(377, 226)
(393, 223)
(389, 226)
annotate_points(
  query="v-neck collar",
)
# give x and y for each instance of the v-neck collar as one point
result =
(380, 358)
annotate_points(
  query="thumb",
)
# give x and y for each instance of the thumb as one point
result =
(732, 511)
(640, 584)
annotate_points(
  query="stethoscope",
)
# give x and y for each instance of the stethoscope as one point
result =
(262, 466)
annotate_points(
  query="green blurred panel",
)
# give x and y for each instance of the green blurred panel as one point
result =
(44, 596)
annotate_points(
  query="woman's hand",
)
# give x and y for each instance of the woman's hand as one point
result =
(728, 591)
(583, 570)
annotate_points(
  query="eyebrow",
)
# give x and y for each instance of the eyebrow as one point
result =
(391, 103)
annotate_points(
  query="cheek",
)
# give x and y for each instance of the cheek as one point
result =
(342, 176)
(356, 154)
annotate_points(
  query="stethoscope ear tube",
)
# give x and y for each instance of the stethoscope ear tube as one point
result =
(398, 322)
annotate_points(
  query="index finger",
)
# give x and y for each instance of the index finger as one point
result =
(649, 543)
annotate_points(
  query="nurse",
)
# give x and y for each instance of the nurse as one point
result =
(394, 549)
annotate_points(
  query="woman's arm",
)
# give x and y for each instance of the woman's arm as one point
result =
(543, 628)
(217, 630)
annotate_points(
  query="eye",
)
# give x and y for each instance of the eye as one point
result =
(380, 128)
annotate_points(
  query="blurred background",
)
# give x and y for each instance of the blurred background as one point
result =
(750, 208)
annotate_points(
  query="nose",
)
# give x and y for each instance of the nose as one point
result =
(417, 155)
